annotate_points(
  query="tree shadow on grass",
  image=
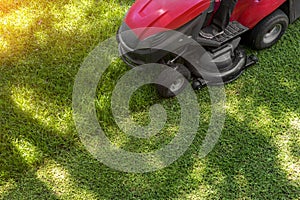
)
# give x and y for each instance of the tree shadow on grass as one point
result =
(84, 170)
(249, 166)
(250, 153)
(244, 163)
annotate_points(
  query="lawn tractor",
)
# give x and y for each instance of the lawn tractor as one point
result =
(260, 23)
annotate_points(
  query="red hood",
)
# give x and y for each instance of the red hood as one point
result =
(169, 14)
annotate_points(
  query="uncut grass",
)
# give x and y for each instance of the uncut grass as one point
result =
(43, 45)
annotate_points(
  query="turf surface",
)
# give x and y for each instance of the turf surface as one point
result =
(42, 45)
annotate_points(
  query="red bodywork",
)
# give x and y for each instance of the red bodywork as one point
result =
(172, 14)
(250, 12)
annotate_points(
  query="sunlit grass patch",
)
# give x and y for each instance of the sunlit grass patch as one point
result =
(48, 114)
(3, 44)
(288, 142)
(295, 123)
(62, 26)
(58, 180)
(289, 158)
(30, 153)
(6, 187)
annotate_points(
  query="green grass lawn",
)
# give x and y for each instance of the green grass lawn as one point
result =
(42, 45)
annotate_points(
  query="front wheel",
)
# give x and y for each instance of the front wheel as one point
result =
(172, 81)
(269, 30)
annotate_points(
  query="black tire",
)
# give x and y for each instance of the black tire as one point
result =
(269, 30)
(173, 80)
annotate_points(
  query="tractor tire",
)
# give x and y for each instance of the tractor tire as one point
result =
(174, 82)
(269, 30)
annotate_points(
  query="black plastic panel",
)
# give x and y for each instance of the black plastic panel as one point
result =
(294, 10)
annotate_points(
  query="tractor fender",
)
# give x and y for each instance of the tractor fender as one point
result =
(250, 13)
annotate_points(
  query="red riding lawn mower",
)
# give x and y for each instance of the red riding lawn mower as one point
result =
(260, 23)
